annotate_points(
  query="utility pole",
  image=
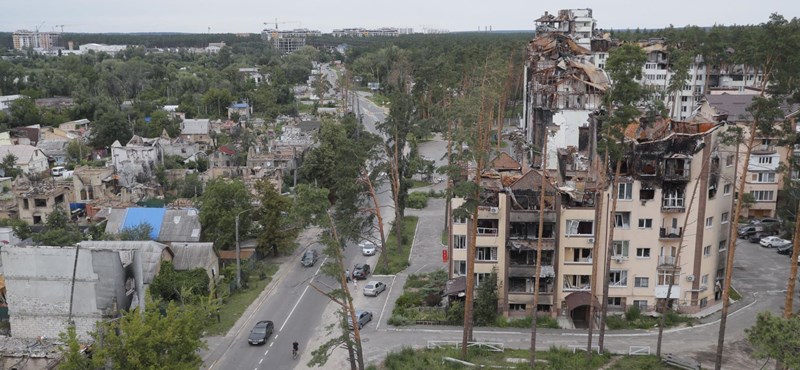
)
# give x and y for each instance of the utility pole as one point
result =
(238, 251)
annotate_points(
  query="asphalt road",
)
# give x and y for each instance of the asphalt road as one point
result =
(295, 307)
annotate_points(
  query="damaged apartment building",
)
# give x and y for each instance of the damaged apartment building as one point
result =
(507, 236)
(563, 85)
(665, 160)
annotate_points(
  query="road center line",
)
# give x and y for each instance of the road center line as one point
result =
(260, 361)
(295, 305)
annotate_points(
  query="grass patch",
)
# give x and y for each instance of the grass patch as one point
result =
(525, 322)
(419, 184)
(379, 99)
(398, 260)
(640, 363)
(235, 304)
(431, 359)
(445, 237)
(633, 319)
(733, 294)
(420, 298)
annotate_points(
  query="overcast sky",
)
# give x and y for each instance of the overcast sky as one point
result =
(196, 16)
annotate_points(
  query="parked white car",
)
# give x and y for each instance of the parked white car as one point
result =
(774, 242)
(368, 248)
(374, 288)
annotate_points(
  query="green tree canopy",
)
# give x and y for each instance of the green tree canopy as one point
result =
(222, 200)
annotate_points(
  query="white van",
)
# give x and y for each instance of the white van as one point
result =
(57, 171)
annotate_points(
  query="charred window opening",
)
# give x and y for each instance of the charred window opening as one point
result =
(648, 167)
(647, 193)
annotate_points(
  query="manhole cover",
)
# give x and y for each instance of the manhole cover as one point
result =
(364, 340)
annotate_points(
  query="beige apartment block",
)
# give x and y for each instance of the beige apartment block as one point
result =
(659, 214)
(507, 237)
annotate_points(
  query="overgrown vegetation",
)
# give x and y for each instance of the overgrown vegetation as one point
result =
(398, 257)
(421, 299)
(417, 200)
(431, 359)
(234, 302)
(634, 319)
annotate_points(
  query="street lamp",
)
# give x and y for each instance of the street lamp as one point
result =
(238, 251)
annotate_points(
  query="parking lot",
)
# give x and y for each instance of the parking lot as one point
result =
(759, 269)
(376, 305)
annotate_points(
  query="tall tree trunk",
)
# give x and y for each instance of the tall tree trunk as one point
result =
(601, 171)
(377, 212)
(726, 286)
(481, 150)
(542, 188)
(398, 214)
(787, 307)
(609, 249)
(665, 306)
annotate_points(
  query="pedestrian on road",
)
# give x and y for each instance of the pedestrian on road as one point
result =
(347, 275)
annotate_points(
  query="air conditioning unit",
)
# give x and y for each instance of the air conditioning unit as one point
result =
(590, 240)
(494, 209)
(618, 259)
(690, 278)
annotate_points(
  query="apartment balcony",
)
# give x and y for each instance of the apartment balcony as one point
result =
(661, 291)
(487, 231)
(670, 232)
(764, 149)
(673, 208)
(529, 270)
(677, 174)
(666, 261)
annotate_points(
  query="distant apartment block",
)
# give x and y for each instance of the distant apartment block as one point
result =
(363, 32)
(288, 41)
(24, 39)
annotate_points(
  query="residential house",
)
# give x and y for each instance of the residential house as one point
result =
(55, 150)
(30, 159)
(196, 255)
(252, 74)
(7, 100)
(197, 131)
(168, 225)
(137, 157)
(223, 157)
(45, 294)
(37, 200)
(8, 199)
(243, 110)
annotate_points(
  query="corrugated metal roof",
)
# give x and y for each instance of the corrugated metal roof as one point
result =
(150, 253)
(151, 216)
(180, 225)
(193, 255)
(115, 219)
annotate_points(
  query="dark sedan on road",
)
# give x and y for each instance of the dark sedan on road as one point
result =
(361, 271)
(261, 332)
(309, 258)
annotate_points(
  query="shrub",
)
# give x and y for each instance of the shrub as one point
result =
(433, 299)
(398, 320)
(455, 313)
(409, 299)
(633, 313)
(417, 200)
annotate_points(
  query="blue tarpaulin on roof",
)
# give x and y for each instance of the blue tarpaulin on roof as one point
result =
(74, 206)
(151, 216)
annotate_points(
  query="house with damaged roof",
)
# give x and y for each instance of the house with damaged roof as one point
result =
(45, 294)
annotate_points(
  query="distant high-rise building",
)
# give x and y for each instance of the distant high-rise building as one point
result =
(288, 41)
(24, 39)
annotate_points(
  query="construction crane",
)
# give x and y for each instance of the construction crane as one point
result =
(59, 26)
(276, 23)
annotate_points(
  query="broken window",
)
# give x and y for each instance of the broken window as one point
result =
(24, 204)
(40, 202)
(580, 227)
(646, 193)
(648, 167)
(622, 220)
(618, 278)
